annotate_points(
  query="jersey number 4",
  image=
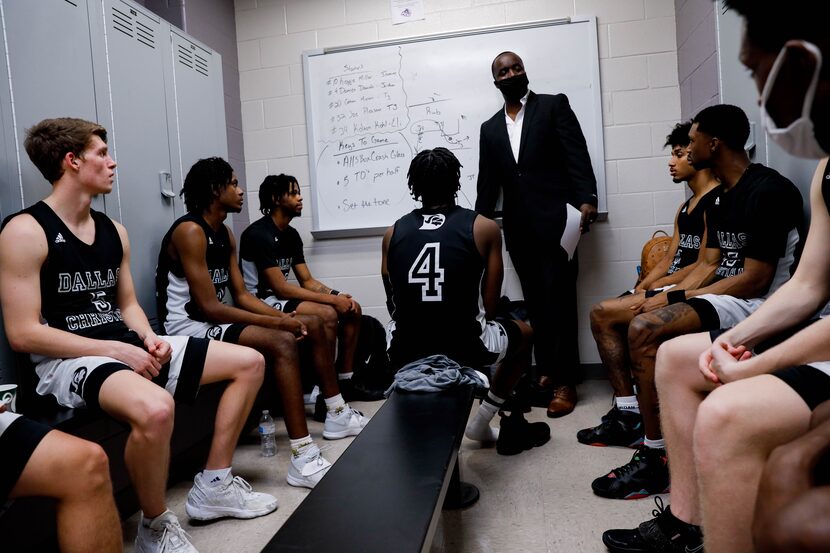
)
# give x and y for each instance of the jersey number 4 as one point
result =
(426, 271)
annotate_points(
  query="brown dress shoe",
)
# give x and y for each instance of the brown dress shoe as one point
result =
(563, 402)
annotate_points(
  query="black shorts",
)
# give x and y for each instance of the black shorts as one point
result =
(17, 444)
(812, 384)
(501, 338)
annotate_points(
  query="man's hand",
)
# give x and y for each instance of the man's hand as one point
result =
(2, 407)
(290, 323)
(589, 215)
(721, 362)
(637, 306)
(343, 303)
(136, 358)
(158, 348)
(655, 302)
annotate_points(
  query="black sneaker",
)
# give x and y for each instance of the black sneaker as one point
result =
(647, 473)
(517, 434)
(320, 409)
(665, 533)
(618, 427)
(356, 391)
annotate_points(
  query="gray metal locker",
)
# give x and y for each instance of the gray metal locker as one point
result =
(47, 44)
(51, 75)
(198, 126)
(136, 46)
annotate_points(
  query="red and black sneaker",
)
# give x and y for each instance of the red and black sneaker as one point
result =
(618, 427)
(647, 473)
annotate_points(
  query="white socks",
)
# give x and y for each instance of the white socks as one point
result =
(334, 402)
(479, 428)
(655, 444)
(345, 376)
(627, 403)
(299, 445)
(215, 477)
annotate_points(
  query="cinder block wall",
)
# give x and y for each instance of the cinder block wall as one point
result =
(697, 55)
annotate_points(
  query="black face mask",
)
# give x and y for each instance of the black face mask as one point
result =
(513, 88)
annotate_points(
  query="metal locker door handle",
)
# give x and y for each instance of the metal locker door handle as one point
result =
(166, 184)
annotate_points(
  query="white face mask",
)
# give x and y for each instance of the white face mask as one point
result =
(799, 137)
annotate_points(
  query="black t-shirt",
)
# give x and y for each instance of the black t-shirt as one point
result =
(761, 218)
(79, 281)
(435, 270)
(263, 246)
(691, 226)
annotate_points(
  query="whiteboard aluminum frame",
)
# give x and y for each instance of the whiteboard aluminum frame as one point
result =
(379, 231)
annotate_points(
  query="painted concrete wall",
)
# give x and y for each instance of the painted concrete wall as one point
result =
(697, 55)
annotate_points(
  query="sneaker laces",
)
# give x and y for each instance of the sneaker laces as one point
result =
(175, 536)
(639, 455)
(318, 459)
(661, 508)
(314, 457)
(241, 486)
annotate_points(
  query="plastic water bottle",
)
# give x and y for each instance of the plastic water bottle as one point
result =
(267, 433)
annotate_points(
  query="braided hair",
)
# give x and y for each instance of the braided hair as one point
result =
(434, 176)
(205, 181)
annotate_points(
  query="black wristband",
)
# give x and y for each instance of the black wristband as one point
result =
(676, 296)
(652, 293)
(334, 292)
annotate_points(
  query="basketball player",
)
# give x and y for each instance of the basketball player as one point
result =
(442, 269)
(69, 264)
(201, 293)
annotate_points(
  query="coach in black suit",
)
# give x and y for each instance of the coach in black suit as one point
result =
(535, 153)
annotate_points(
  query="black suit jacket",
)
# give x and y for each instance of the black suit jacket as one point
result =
(553, 169)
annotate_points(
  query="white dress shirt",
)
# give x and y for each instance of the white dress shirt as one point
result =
(514, 127)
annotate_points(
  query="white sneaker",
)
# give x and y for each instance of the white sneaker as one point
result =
(486, 433)
(342, 422)
(308, 468)
(233, 497)
(164, 535)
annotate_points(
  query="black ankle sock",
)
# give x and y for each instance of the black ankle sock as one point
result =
(674, 525)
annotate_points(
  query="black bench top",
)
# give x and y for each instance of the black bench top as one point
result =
(385, 491)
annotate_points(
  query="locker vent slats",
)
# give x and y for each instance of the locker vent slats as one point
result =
(122, 21)
(192, 59)
(185, 57)
(201, 65)
(127, 22)
(145, 34)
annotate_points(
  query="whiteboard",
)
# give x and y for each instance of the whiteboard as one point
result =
(371, 108)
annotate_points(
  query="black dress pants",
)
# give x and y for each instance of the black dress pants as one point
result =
(548, 282)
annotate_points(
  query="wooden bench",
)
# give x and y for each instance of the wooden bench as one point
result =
(29, 523)
(386, 491)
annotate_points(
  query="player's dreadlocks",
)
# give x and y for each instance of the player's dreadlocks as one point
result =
(434, 176)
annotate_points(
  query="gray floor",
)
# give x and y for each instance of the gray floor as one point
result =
(539, 501)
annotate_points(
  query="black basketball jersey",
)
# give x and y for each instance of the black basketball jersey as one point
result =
(825, 186)
(435, 271)
(173, 298)
(691, 227)
(79, 281)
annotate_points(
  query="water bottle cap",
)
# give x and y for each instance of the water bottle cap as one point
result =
(265, 412)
